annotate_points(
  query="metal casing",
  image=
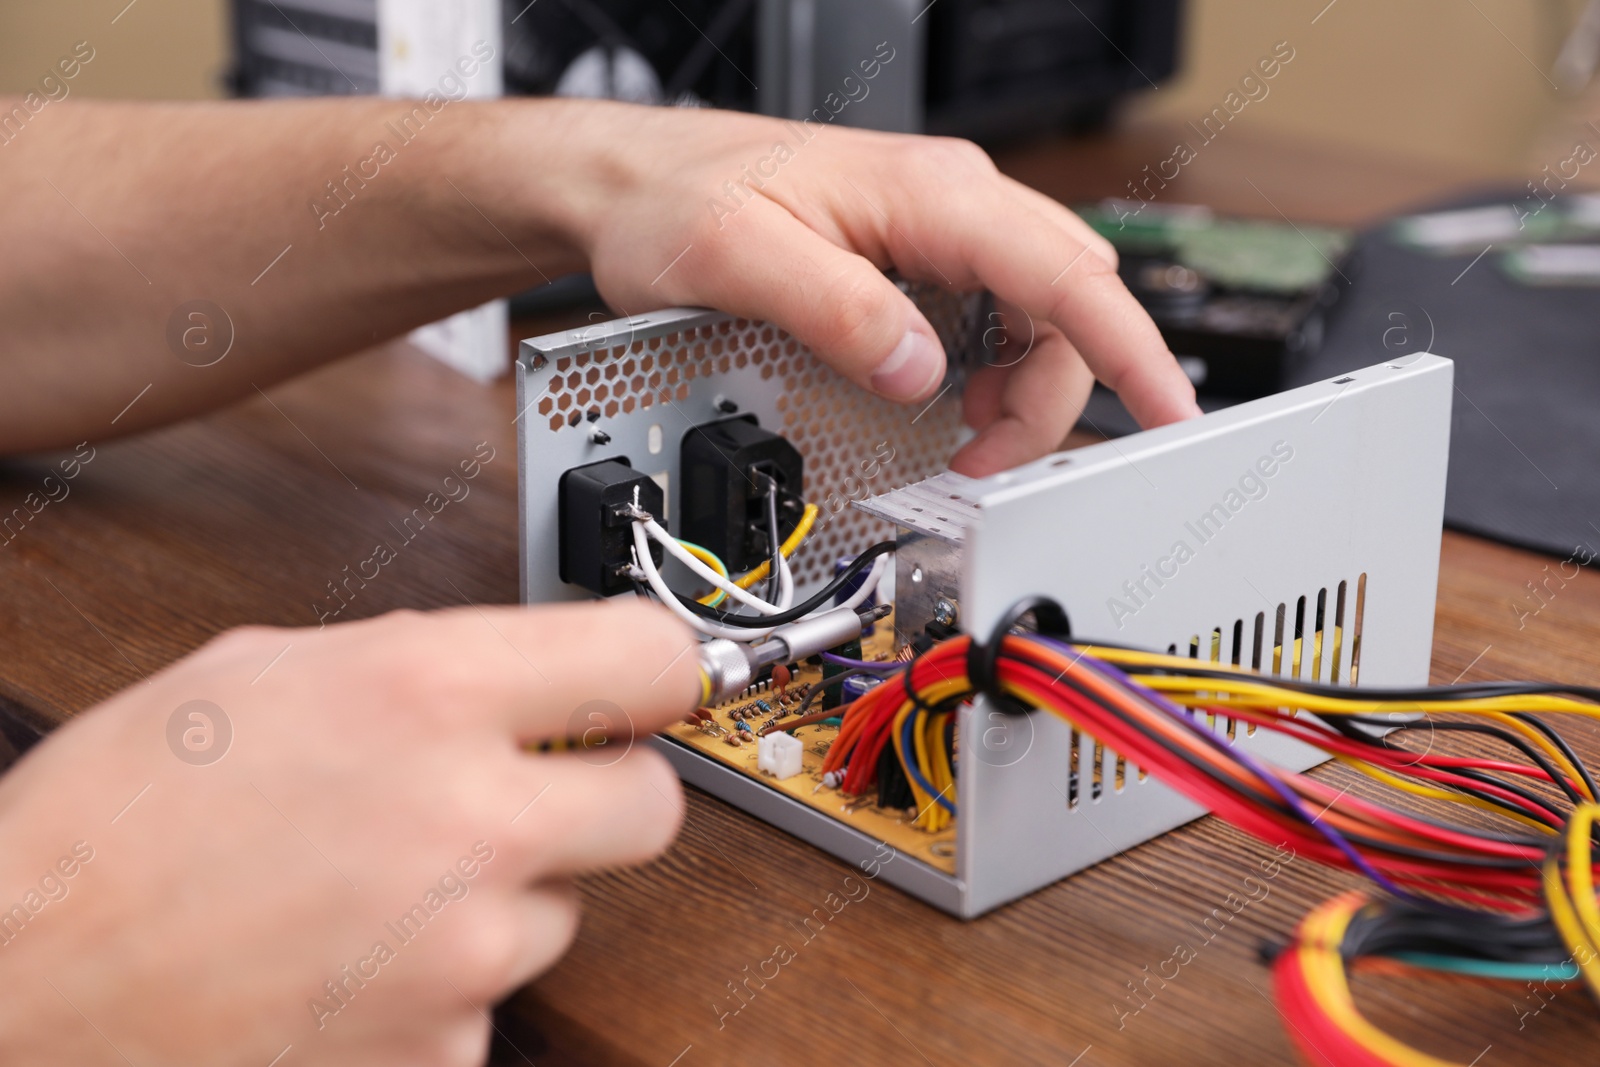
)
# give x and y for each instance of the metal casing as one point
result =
(1332, 493)
(1325, 501)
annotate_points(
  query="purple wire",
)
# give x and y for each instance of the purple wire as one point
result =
(861, 664)
(1336, 839)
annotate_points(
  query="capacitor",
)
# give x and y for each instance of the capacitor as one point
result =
(781, 677)
(857, 686)
(851, 587)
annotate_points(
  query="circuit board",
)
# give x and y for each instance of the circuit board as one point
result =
(890, 825)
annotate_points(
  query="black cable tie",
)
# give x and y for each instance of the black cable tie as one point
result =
(983, 658)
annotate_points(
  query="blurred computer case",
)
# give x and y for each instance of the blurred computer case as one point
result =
(983, 69)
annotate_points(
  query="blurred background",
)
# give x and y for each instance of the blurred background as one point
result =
(1438, 81)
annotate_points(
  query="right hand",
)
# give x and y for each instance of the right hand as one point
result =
(375, 763)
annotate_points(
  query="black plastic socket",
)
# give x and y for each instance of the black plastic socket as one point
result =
(724, 470)
(596, 531)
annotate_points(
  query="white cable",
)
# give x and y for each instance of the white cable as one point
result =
(870, 585)
(689, 560)
(646, 566)
(642, 535)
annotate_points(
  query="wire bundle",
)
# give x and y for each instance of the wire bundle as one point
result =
(1494, 897)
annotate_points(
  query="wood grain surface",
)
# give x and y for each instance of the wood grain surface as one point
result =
(247, 515)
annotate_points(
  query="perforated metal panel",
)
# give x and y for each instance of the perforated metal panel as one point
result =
(669, 370)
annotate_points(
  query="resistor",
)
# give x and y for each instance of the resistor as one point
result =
(734, 738)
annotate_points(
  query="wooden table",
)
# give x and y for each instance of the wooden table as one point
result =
(245, 516)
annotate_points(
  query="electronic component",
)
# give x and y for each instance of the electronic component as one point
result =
(1279, 534)
(778, 754)
(857, 686)
(724, 470)
(726, 667)
(596, 526)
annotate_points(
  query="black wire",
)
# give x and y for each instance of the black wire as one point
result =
(1356, 731)
(1401, 927)
(1556, 818)
(817, 689)
(799, 611)
(1523, 746)
(1560, 743)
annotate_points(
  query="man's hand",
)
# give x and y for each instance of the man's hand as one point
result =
(280, 220)
(354, 857)
(794, 223)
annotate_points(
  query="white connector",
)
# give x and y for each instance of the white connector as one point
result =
(778, 754)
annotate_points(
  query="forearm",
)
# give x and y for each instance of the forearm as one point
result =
(318, 228)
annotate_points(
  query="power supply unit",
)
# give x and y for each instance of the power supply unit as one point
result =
(1297, 534)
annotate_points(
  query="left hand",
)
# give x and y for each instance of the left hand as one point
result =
(741, 213)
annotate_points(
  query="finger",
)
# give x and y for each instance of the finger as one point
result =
(765, 264)
(965, 222)
(520, 938)
(1039, 400)
(1064, 217)
(1048, 274)
(583, 815)
(545, 920)
(541, 673)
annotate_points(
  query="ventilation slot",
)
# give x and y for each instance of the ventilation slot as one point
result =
(1087, 771)
(1301, 647)
(1355, 629)
(1072, 771)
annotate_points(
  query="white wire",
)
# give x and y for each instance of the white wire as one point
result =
(652, 576)
(647, 567)
(879, 567)
(698, 566)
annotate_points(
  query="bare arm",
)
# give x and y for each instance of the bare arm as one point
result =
(321, 227)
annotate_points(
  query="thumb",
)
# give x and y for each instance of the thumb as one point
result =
(765, 264)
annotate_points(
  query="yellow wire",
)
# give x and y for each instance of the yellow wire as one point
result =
(808, 518)
(1251, 691)
(1249, 695)
(1434, 793)
(1571, 900)
(931, 695)
(1569, 926)
(710, 559)
(941, 775)
(1326, 979)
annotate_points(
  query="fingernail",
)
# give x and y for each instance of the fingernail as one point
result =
(913, 368)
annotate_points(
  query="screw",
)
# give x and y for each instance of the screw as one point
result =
(600, 437)
(944, 611)
(726, 406)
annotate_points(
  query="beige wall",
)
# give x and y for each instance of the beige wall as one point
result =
(1444, 80)
(1441, 80)
(172, 49)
